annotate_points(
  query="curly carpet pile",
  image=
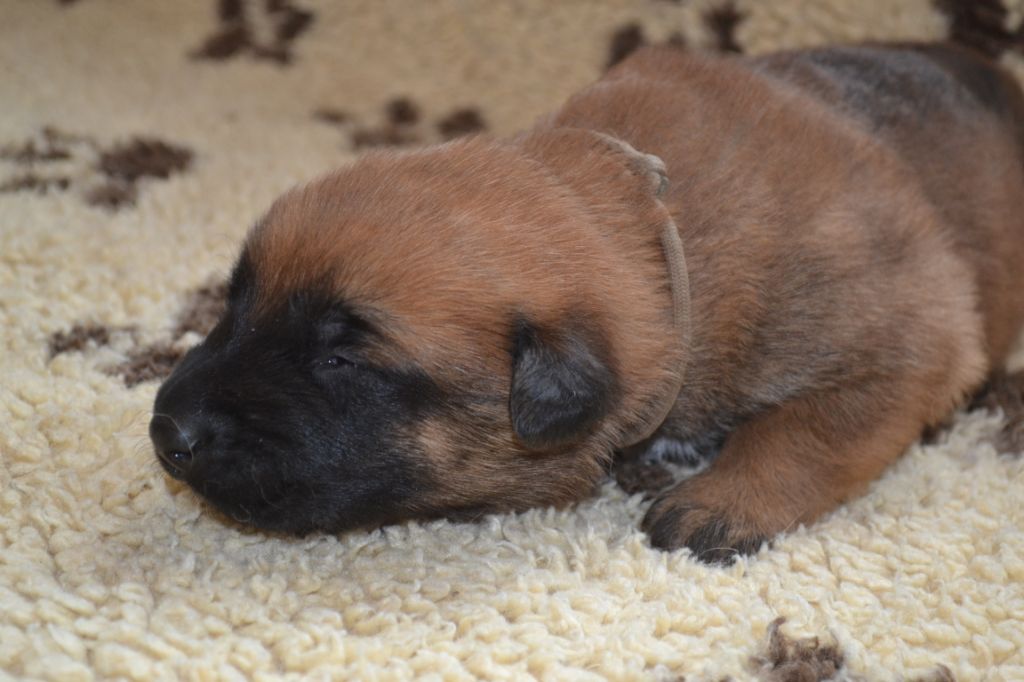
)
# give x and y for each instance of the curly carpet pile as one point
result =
(139, 140)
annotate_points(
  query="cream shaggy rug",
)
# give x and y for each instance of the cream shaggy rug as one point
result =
(138, 141)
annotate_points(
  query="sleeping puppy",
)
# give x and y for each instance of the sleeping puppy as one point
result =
(785, 267)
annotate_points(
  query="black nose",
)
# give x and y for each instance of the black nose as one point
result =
(174, 442)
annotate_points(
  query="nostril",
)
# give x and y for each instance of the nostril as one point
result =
(173, 444)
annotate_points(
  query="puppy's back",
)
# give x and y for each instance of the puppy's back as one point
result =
(890, 86)
(958, 121)
(795, 123)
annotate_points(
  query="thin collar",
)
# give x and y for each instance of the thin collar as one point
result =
(679, 286)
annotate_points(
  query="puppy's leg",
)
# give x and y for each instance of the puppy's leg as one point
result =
(789, 465)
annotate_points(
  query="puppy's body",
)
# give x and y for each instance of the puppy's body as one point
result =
(853, 228)
(853, 221)
(825, 242)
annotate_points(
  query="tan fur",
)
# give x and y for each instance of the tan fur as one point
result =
(847, 287)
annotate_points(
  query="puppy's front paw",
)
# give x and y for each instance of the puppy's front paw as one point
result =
(715, 536)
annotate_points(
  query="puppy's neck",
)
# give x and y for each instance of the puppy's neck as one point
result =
(679, 289)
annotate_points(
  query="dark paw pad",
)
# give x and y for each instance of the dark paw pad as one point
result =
(710, 536)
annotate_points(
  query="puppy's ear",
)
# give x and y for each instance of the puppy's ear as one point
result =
(561, 387)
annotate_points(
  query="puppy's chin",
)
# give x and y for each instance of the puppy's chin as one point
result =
(291, 520)
(298, 508)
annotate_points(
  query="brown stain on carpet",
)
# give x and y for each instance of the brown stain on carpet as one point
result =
(402, 125)
(203, 307)
(156, 361)
(398, 129)
(125, 164)
(78, 338)
(143, 157)
(34, 183)
(31, 151)
(236, 34)
(200, 312)
(112, 195)
(981, 24)
(402, 111)
(332, 116)
(797, 660)
(49, 147)
(809, 660)
(630, 37)
(460, 122)
(723, 21)
(624, 41)
(122, 165)
(787, 659)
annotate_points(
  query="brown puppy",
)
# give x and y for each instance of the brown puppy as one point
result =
(835, 262)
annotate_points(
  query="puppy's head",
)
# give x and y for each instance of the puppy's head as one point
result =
(448, 332)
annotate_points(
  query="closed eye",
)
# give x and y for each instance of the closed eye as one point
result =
(338, 336)
(341, 355)
(338, 361)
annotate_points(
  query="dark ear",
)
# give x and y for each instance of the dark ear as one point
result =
(561, 387)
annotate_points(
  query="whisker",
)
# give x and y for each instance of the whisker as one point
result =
(252, 473)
